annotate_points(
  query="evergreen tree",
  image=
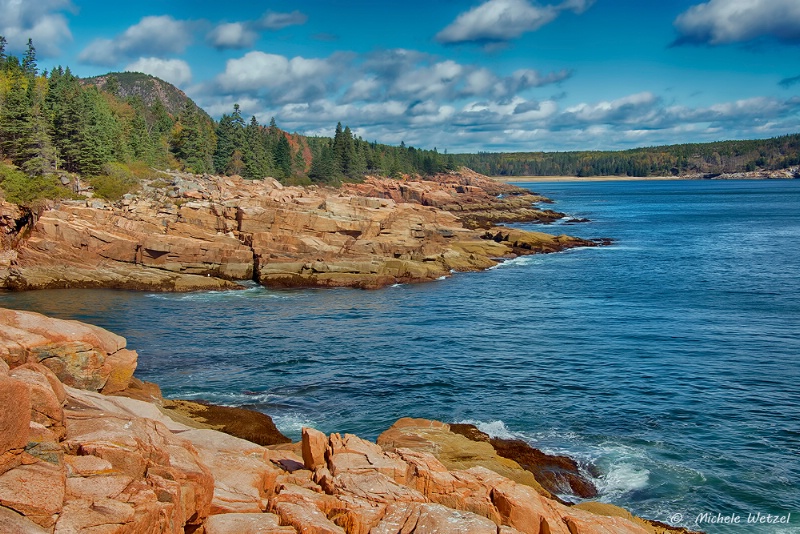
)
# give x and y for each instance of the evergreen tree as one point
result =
(230, 138)
(323, 165)
(2, 52)
(29, 60)
(15, 122)
(258, 160)
(40, 154)
(190, 144)
(282, 157)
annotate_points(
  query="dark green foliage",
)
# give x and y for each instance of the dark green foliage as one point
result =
(29, 60)
(15, 122)
(115, 181)
(709, 158)
(193, 143)
(25, 190)
(230, 143)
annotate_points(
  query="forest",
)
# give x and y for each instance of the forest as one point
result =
(116, 129)
(672, 160)
(110, 131)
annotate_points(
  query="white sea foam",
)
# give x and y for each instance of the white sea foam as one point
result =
(495, 429)
(624, 468)
(623, 477)
(520, 261)
(291, 424)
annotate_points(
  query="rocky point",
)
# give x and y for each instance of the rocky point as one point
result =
(186, 232)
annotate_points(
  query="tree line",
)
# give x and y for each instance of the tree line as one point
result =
(673, 160)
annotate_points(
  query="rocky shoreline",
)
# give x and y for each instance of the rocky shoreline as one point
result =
(187, 232)
(86, 447)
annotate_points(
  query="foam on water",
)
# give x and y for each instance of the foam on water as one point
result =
(623, 468)
(291, 424)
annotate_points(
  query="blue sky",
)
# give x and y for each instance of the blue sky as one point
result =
(461, 75)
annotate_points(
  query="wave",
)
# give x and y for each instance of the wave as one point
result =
(291, 424)
(623, 468)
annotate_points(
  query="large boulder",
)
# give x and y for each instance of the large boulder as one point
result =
(80, 355)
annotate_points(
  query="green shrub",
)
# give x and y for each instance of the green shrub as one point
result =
(22, 189)
(116, 181)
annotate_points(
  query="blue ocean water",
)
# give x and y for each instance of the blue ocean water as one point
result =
(669, 360)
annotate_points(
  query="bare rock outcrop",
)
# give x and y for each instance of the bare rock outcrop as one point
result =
(208, 232)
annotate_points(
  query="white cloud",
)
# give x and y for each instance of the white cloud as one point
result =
(232, 35)
(278, 77)
(42, 20)
(719, 22)
(175, 71)
(152, 36)
(244, 34)
(499, 21)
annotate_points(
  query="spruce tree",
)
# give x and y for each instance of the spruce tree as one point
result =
(15, 122)
(29, 60)
(283, 157)
(2, 52)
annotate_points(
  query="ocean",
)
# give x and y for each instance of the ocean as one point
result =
(669, 360)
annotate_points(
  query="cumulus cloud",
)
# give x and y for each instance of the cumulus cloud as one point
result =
(239, 35)
(499, 21)
(151, 36)
(175, 71)
(278, 77)
(232, 35)
(43, 21)
(720, 22)
(408, 74)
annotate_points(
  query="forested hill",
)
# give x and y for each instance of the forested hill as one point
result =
(132, 85)
(673, 160)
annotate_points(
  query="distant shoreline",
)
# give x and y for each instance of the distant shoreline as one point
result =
(774, 175)
(511, 179)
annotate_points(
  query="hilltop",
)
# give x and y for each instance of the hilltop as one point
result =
(149, 89)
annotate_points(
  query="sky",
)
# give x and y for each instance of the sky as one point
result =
(455, 75)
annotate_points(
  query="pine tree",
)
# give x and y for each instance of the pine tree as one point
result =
(29, 60)
(230, 138)
(282, 157)
(15, 122)
(41, 156)
(2, 52)
(258, 161)
(191, 143)
(323, 165)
